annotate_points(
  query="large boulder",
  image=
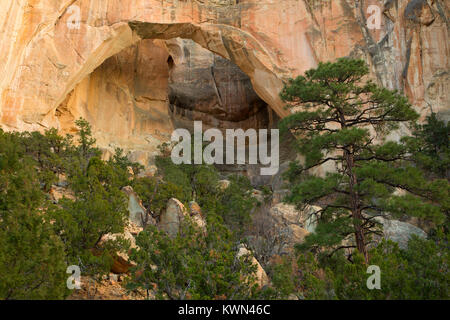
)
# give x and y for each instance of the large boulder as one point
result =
(297, 234)
(172, 217)
(287, 214)
(138, 214)
(261, 275)
(399, 231)
(283, 226)
(176, 212)
(310, 217)
(149, 172)
(121, 261)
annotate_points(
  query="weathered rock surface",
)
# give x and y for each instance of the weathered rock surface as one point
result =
(121, 260)
(125, 99)
(286, 214)
(138, 214)
(114, 68)
(174, 215)
(206, 87)
(275, 230)
(261, 275)
(107, 289)
(297, 234)
(399, 231)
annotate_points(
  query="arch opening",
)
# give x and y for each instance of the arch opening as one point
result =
(137, 97)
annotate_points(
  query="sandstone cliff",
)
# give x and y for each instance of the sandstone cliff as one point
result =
(121, 65)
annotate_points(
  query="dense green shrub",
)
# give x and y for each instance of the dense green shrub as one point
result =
(193, 265)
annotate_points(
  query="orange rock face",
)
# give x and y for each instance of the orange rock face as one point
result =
(110, 60)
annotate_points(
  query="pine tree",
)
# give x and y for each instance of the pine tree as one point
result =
(32, 260)
(38, 239)
(430, 146)
(98, 207)
(341, 118)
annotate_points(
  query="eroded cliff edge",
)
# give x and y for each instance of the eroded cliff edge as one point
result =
(126, 72)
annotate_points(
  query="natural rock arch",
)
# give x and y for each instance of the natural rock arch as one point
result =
(231, 43)
(57, 58)
(271, 40)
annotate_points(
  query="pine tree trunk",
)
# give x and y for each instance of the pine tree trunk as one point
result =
(356, 210)
(359, 236)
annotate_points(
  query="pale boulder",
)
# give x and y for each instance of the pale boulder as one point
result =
(175, 214)
(172, 217)
(287, 214)
(149, 172)
(261, 275)
(121, 261)
(400, 232)
(298, 234)
(137, 212)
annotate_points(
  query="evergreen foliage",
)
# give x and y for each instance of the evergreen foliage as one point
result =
(342, 119)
